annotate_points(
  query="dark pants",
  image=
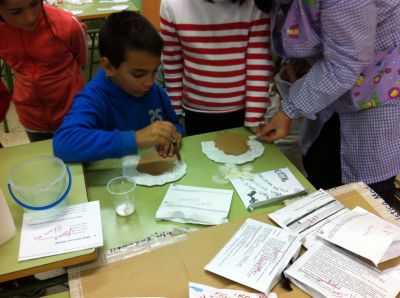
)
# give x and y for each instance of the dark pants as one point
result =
(386, 190)
(197, 123)
(38, 136)
(322, 163)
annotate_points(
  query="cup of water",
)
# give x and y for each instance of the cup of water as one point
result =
(122, 193)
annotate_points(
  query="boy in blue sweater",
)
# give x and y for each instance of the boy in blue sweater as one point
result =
(121, 109)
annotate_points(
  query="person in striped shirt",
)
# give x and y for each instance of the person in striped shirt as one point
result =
(217, 62)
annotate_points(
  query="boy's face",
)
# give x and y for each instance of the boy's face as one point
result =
(22, 14)
(136, 74)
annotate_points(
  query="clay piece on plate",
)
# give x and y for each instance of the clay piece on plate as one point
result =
(153, 164)
(232, 143)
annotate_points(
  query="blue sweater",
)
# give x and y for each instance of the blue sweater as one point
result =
(103, 119)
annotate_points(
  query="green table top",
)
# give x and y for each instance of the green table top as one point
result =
(89, 10)
(122, 230)
(9, 266)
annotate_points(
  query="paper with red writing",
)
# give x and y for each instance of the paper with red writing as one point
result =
(202, 291)
(309, 214)
(256, 255)
(364, 234)
(328, 271)
(77, 227)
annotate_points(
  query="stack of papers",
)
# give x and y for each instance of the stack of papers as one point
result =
(76, 228)
(308, 215)
(267, 187)
(200, 205)
(327, 271)
(256, 255)
(364, 234)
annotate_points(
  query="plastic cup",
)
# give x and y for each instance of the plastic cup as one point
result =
(122, 193)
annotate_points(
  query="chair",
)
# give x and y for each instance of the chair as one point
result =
(93, 31)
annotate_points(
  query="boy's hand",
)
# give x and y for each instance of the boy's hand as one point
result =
(169, 150)
(157, 133)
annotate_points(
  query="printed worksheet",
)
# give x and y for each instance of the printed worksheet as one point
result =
(76, 228)
(267, 187)
(190, 204)
(256, 255)
(364, 234)
(329, 271)
(309, 214)
(394, 272)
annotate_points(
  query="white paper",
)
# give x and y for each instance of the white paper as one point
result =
(113, 1)
(76, 228)
(364, 234)
(216, 154)
(75, 12)
(201, 205)
(394, 272)
(115, 7)
(202, 291)
(256, 255)
(326, 271)
(77, 2)
(309, 214)
(129, 168)
(267, 187)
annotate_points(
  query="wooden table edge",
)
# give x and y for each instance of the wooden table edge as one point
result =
(50, 266)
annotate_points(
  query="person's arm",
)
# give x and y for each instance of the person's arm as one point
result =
(5, 99)
(80, 138)
(348, 32)
(172, 58)
(79, 47)
(259, 69)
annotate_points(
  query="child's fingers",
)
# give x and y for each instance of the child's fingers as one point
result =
(166, 150)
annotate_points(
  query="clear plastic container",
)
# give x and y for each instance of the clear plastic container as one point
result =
(41, 185)
(282, 86)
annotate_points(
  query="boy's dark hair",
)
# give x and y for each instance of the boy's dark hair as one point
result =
(264, 5)
(233, 1)
(124, 31)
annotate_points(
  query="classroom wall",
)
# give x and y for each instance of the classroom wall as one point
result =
(151, 10)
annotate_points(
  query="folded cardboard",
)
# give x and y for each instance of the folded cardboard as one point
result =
(166, 272)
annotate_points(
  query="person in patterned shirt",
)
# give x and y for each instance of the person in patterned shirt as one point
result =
(341, 39)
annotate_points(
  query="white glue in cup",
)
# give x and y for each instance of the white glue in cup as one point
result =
(122, 193)
(7, 226)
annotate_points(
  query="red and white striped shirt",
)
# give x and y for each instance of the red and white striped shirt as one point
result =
(217, 57)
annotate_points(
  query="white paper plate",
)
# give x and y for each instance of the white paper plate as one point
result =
(129, 168)
(215, 154)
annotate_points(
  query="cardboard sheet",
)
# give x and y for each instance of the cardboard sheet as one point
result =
(232, 143)
(166, 272)
(152, 163)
